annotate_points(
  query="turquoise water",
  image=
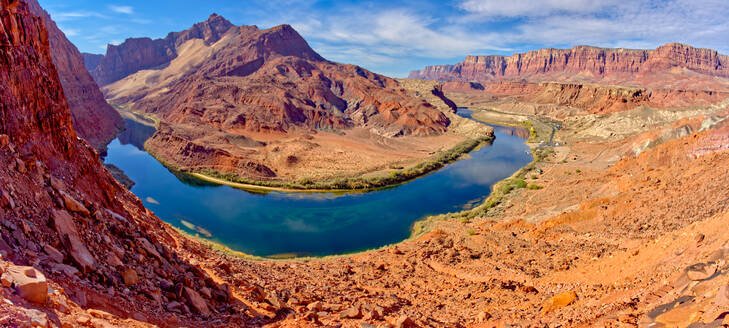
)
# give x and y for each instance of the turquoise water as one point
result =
(272, 223)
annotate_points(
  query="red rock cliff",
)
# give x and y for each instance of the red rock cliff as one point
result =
(64, 214)
(271, 80)
(142, 53)
(597, 62)
(93, 119)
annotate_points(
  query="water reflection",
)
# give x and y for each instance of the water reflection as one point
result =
(311, 223)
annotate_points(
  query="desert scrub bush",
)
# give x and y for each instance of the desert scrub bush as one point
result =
(306, 181)
(534, 177)
(506, 188)
(437, 161)
(534, 187)
(471, 232)
(519, 183)
(578, 171)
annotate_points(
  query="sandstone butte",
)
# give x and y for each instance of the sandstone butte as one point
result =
(628, 228)
(262, 105)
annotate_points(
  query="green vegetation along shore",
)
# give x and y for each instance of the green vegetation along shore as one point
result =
(431, 164)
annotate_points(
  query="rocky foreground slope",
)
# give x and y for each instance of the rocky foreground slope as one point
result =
(626, 230)
(263, 105)
(93, 119)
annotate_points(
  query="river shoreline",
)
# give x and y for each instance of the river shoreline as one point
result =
(343, 218)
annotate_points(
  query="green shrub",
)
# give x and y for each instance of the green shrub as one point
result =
(534, 187)
(506, 188)
(519, 183)
(471, 232)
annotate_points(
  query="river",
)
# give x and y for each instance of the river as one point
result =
(309, 223)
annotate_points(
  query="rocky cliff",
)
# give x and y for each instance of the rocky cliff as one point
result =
(143, 53)
(67, 226)
(592, 98)
(91, 61)
(251, 83)
(581, 62)
(93, 119)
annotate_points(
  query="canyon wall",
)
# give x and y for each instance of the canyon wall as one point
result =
(93, 119)
(590, 98)
(136, 54)
(592, 62)
(87, 238)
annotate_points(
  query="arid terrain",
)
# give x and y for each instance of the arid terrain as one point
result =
(260, 105)
(620, 221)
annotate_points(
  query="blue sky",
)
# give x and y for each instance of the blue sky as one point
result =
(394, 37)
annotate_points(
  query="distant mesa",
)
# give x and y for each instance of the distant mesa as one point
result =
(585, 63)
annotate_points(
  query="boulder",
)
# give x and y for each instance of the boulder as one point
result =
(113, 260)
(28, 282)
(559, 301)
(353, 312)
(315, 306)
(148, 247)
(173, 306)
(682, 316)
(405, 322)
(130, 277)
(196, 301)
(37, 318)
(700, 271)
(69, 235)
(6, 201)
(72, 204)
(65, 269)
(55, 254)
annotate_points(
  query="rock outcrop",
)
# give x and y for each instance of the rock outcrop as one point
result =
(91, 61)
(66, 223)
(136, 54)
(93, 119)
(245, 84)
(582, 62)
(586, 98)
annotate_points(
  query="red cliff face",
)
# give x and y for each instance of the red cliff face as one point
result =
(63, 213)
(142, 53)
(272, 81)
(591, 98)
(93, 119)
(592, 62)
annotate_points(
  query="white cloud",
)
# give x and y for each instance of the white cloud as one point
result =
(644, 24)
(518, 8)
(74, 15)
(391, 34)
(122, 9)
